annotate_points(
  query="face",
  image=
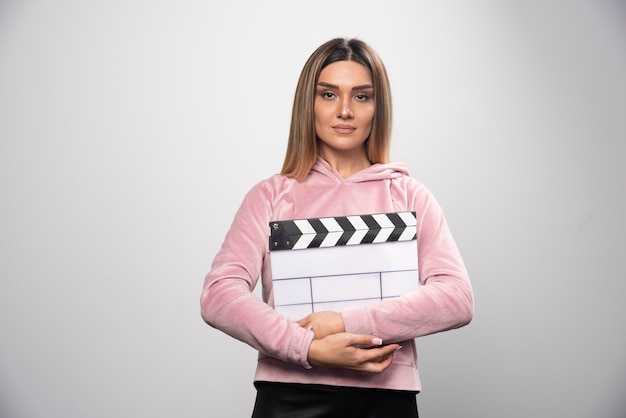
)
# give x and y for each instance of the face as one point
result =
(344, 109)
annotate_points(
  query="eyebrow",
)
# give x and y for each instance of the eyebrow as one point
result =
(332, 86)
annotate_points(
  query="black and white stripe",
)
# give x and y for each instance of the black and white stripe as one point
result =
(342, 230)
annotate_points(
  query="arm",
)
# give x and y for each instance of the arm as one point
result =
(444, 299)
(227, 301)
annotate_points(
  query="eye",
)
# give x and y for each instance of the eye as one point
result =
(362, 97)
(327, 95)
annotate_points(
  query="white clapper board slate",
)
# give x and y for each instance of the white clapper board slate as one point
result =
(342, 263)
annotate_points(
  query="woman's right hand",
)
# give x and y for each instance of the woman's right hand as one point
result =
(352, 351)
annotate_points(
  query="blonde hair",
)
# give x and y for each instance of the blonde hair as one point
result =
(302, 144)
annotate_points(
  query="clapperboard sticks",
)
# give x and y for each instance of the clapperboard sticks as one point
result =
(342, 230)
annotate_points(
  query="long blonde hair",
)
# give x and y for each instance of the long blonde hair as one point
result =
(302, 144)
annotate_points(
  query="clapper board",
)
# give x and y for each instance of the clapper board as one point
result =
(341, 263)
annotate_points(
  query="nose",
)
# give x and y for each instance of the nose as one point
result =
(345, 111)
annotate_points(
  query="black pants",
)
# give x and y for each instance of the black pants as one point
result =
(285, 400)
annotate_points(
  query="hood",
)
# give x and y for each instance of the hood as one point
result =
(322, 172)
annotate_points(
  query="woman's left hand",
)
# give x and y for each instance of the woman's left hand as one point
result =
(323, 323)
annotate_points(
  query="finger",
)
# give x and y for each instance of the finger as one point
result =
(386, 350)
(366, 340)
(375, 360)
(378, 365)
(383, 351)
(305, 322)
(374, 343)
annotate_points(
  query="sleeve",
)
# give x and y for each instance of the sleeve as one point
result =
(227, 302)
(444, 300)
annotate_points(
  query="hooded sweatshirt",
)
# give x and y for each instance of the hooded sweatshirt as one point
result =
(443, 301)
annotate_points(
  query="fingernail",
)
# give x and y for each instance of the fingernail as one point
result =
(399, 347)
(377, 341)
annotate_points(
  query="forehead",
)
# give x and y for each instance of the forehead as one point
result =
(345, 73)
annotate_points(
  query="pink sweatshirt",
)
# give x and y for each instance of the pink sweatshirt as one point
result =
(443, 301)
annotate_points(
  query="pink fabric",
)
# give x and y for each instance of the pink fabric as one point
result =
(443, 301)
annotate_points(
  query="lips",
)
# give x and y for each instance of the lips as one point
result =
(344, 129)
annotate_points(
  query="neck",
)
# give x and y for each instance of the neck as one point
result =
(346, 165)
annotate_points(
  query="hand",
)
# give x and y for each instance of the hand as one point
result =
(351, 351)
(323, 323)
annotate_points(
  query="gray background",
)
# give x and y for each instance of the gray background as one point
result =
(130, 131)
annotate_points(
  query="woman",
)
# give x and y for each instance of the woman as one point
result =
(335, 363)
